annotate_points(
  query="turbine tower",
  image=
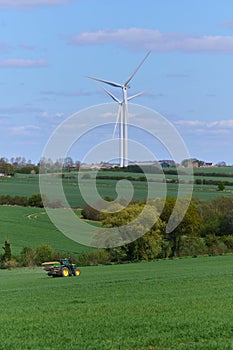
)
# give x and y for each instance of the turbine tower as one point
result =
(119, 120)
(123, 110)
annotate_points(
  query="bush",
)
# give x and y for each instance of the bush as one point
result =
(7, 251)
(12, 263)
(95, 257)
(86, 176)
(192, 246)
(27, 256)
(43, 253)
(228, 241)
(35, 256)
(35, 201)
(215, 245)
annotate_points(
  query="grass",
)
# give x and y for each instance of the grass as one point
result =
(27, 185)
(31, 227)
(168, 304)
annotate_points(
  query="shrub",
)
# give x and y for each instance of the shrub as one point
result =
(228, 241)
(35, 256)
(12, 263)
(28, 256)
(86, 176)
(192, 246)
(215, 245)
(95, 257)
(21, 201)
(90, 213)
(43, 253)
(35, 201)
(221, 186)
(7, 251)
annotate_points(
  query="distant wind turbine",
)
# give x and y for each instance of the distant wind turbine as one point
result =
(119, 120)
(122, 114)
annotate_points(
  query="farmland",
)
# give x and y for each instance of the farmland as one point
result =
(180, 304)
(26, 185)
(168, 304)
(31, 227)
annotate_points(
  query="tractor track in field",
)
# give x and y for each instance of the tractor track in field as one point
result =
(35, 215)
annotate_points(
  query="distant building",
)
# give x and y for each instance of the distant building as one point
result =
(207, 164)
(164, 164)
(194, 164)
(168, 163)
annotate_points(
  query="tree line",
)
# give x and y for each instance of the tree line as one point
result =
(207, 228)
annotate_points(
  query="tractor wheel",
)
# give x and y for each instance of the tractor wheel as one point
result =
(65, 272)
(77, 272)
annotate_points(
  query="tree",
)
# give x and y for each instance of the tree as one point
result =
(7, 251)
(222, 205)
(216, 216)
(221, 186)
(144, 232)
(221, 163)
(5, 167)
(189, 225)
(35, 201)
(226, 225)
(68, 163)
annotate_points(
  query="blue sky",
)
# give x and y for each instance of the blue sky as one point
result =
(47, 47)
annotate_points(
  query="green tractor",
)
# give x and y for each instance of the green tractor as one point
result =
(61, 268)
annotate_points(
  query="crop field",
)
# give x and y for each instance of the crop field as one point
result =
(167, 304)
(223, 170)
(26, 185)
(31, 227)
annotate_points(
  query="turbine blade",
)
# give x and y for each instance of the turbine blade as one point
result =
(112, 83)
(137, 68)
(117, 120)
(133, 96)
(110, 94)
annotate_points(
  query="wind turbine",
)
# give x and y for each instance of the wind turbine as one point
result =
(119, 120)
(123, 110)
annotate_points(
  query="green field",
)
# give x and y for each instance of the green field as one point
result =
(222, 170)
(168, 304)
(27, 185)
(31, 227)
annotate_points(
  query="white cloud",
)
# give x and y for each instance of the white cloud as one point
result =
(150, 39)
(59, 115)
(29, 3)
(219, 127)
(191, 123)
(228, 123)
(23, 63)
(45, 115)
(25, 130)
(48, 115)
